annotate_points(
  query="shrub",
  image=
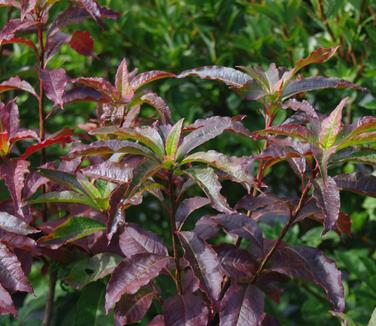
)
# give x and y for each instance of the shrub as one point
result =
(216, 264)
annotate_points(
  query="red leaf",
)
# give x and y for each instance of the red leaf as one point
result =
(132, 274)
(122, 82)
(27, 6)
(149, 76)
(242, 305)
(20, 40)
(312, 265)
(159, 105)
(188, 310)
(12, 276)
(62, 137)
(82, 42)
(54, 82)
(187, 207)
(357, 182)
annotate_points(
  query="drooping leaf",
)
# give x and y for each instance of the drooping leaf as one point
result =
(90, 305)
(99, 84)
(110, 147)
(187, 310)
(6, 303)
(311, 265)
(204, 262)
(231, 77)
(236, 168)
(159, 105)
(54, 82)
(303, 106)
(173, 139)
(132, 274)
(14, 26)
(20, 40)
(64, 179)
(132, 308)
(115, 213)
(85, 94)
(207, 180)
(242, 305)
(187, 207)
(16, 241)
(135, 240)
(327, 198)
(289, 129)
(208, 129)
(88, 270)
(315, 83)
(357, 182)
(117, 172)
(73, 229)
(12, 276)
(16, 83)
(147, 77)
(14, 224)
(146, 135)
(332, 125)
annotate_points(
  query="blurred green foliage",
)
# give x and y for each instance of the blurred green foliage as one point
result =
(174, 35)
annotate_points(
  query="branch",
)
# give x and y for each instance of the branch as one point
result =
(50, 298)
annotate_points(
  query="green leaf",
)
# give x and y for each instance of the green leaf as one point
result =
(88, 270)
(90, 304)
(173, 139)
(73, 229)
(63, 178)
(146, 135)
(68, 197)
(331, 126)
(372, 321)
(363, 155)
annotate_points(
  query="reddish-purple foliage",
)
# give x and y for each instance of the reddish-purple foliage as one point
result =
(123, 158)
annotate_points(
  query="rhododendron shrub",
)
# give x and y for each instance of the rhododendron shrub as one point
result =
(72, 212)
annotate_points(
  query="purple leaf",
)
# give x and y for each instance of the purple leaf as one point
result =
(85, 94)
(291, 130)
(204, 262)
(157, 321)
(187, 207)
(132, 308)
(6, 303)
(135, 240)
(16, 83)
(122, 83)
(27, 6)
(240, 225)
(13, 173)
(236, 168)
(99, 84)
(12, 276)
(14, 224)
(15, 25)
(314, 83)
(147, 77)
(190, 282)
(311, 265)
(327, 198)
(96, 11)
(132, 274)
(242, 305)
(236, 263)
(357, 182)
(187, 310)
(208, 129)
(10, 117)
(207, 180)
(54, 43)
(159, 105)
(54, 82)
(115, 214)
(301, 106)
(15, 241)
(231, 77)
(118, 172)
